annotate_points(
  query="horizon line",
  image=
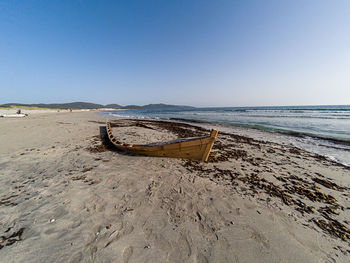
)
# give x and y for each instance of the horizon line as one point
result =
(167, 104)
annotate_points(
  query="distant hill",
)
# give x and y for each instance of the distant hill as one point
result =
(88, 105)
(73, 105)
(155, 106)
(131, 107)
(115, 106)
(164, 106)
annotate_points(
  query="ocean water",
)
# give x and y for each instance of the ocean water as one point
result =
(320, 129)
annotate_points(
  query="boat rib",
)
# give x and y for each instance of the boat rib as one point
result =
(191, 148)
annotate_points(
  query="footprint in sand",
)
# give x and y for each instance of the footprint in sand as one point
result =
(249, 206)
(261, 239)
(184, 246)
(181, 250)
(122, 229)
(76, 258)
(202, 259)
(127, 253)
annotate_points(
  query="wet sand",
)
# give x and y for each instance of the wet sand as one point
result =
(66, 197)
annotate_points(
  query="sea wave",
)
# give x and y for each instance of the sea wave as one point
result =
(326, 133)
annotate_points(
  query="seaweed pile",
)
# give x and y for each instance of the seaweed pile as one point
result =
(302, 194)
(7, 201)
(11, 238)
(292, 190)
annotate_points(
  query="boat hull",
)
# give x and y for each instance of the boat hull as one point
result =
(13, 115)
(193, 149)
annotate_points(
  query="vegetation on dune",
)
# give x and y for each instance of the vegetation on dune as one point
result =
(11, 107)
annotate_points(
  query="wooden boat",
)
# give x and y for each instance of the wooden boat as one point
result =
(13, 115)
(191, 148)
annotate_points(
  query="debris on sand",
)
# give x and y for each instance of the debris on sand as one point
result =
(11, 239)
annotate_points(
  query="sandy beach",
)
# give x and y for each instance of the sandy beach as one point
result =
(67, 197)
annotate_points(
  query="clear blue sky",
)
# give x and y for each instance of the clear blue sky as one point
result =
(201, 53)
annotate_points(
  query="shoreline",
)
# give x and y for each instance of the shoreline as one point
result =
(272, 134)
(206, 125)
(285, 130)
(68, 197)
(270, 130)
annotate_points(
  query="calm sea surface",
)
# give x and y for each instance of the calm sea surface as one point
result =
(320, 129)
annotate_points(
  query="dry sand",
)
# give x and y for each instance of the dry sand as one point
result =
(65, 197)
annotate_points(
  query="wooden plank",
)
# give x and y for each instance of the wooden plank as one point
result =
(213, 135)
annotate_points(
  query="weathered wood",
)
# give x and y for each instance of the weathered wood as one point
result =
(192, 148)
(213, 134)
